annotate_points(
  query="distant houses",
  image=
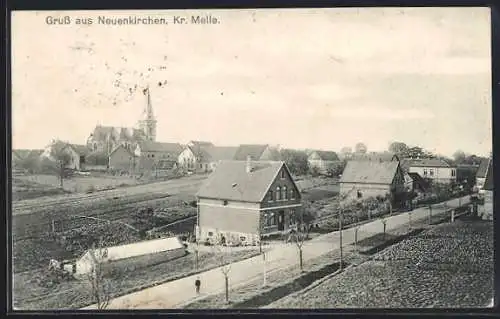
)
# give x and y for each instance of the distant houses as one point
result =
(434, 169)
(244, 200)
(157, 156)
(323, 161)
(364, 179)
(258, 152)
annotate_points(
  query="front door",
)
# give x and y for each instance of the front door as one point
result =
(281, 220)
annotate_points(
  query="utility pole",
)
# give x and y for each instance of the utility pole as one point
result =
(197, 234)
(340, 239)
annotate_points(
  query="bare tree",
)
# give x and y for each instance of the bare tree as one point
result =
(100, 285)
(299, 237)
(223, 256)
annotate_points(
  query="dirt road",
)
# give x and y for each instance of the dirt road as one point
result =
(177, 293)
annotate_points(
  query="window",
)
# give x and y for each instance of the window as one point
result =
(284, 194)
(360, 195)
(95, 146)
(283, 174)
(431, 172)
(210, 234)
(270, 196)
(278, 193)
(425, 171)
(292, 194)
(152, 155)
(225, 203)
(453, 173)
(270, 219)
(201, 165)
(293, 219)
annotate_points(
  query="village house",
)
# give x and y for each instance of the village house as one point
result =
(419, 184)
(122, 159)
(323, 161)
(257, 152)
(434, 169)
(481, 172)
(128, 257)
(365, 179)
(73, 154)
(157, 156)
(203, 158)
(246, 200)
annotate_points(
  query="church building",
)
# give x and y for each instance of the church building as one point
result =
(104, 139)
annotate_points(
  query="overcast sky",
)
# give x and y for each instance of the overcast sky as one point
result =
(309, 78)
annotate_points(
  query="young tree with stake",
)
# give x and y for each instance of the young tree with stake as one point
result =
(223, 255)
(300, 236)
(99, 284)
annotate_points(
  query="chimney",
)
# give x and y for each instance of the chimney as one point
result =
(249, 167)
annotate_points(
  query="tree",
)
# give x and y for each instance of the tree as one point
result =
(297, 161)
(61, 157)
(337, 168)
(100, 286)
(346, 152)
(299, 237)
(223, 256)
(398, 148)
(459, 156)
(361, 148)
(314, 171)
(30, 163)
(418, 152)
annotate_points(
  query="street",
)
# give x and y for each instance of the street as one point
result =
(177, 293)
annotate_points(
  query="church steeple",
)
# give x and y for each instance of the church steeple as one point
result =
(148, 122)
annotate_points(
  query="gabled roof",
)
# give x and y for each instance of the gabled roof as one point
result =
(80, 149)
(119, 147)
(327, 155)
(374, 156)
(483, 168)
(102, 133)
(200, 143)
(428, 162)
(172, 148)
(488, 183)
(369, 172)
(219, 153)
(142, 248)
(253, 150)
(231, 181)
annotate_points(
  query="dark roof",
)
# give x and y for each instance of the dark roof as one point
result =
(253, 150)
(419, 180)
(80, 149)
(219, 153)
(374, 156)
(231, 181)
(488, 183)
(327, 155)
(428, 162)
(172, 148)
(201, 143)
(121, 146)
(369, 172)
(101, 133)
(483, 168)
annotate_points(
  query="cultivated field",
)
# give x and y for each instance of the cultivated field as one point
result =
(41, 290)
(448, 266)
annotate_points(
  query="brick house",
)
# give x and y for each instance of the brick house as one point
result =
(246, 200)
(157, 156)
(372, 179)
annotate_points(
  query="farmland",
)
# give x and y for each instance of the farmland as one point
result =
(449, 265)
(42, 291)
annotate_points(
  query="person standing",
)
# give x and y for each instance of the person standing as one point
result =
(197, 284)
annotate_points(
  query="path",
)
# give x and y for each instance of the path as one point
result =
(177, 293)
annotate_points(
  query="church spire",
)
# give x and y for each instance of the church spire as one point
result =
(148, 122)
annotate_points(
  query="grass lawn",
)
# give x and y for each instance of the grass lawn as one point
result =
(23, 188)
(447, 266)
(33, 291)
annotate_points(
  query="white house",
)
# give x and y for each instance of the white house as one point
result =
(76, 153)
(437, 170)
(323, 160)
(128, 257)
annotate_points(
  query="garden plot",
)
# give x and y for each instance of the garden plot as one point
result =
(448, 266)
(44, 291)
